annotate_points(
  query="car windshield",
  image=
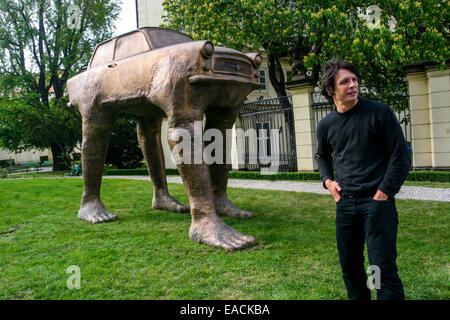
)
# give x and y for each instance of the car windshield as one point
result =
(164, 37)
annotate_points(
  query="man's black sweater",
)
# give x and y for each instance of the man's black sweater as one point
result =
(368, 147)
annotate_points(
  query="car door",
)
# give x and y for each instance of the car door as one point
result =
(127, 72)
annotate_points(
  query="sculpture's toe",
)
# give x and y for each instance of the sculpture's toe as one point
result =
(168, 203)
(214, 232)
(225, 207)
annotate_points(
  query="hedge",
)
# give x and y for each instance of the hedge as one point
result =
(277, 176)
(134, 172)
(434, 176)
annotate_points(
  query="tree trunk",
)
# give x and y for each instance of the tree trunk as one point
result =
(276, 76)
(60, 163)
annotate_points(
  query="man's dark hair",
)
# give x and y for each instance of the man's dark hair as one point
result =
(329, 70)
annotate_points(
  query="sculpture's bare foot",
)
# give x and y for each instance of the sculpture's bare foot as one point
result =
(95, 212)
(168, 203)
(225, 207)
(214, 232)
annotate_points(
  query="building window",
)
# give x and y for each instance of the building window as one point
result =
(263, 79)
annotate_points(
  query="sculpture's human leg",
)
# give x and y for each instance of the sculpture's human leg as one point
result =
(206, 226)
(149, 137)
(97, 127)
(223, 119)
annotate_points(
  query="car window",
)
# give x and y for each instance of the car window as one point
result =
(103, 53)
(130, 45)
(165, 37)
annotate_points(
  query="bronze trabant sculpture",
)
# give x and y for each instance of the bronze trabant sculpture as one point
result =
(150, 74)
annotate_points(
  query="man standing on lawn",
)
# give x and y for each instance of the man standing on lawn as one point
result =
(364, 141)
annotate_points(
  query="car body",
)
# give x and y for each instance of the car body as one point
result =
(150, 66)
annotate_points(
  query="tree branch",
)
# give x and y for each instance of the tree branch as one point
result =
(22, 12)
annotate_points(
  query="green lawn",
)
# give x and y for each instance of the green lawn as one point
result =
(147, 254)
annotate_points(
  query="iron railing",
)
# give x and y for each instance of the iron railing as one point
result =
(272, 143)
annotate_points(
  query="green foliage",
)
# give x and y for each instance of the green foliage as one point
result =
(135, 172)
(432, 176)
(123, 149)
(41, 46)
(312, 32)
(24, 127)
(6, 163)
(436, 176)
(277, 176)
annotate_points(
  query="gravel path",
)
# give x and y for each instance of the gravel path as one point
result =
(406, 192)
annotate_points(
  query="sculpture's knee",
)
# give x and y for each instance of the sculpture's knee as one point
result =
(181, 143)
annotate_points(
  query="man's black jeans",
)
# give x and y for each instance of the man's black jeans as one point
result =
(360, 219)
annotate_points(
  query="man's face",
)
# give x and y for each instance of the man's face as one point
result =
(345, 86)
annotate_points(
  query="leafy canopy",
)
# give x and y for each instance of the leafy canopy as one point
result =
(313, 31)
(42, 44)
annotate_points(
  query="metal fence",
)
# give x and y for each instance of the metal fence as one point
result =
(265, 117)
(272, 123)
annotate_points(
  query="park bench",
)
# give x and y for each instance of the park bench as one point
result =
(29, 166)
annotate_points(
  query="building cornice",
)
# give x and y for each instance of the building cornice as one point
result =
(422, 66)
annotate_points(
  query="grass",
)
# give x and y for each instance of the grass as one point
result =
(430, 184)
(147, 254)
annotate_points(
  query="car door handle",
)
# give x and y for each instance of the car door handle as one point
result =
(112, 65)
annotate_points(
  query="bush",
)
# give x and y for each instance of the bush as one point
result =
(6, 163)
(123, 149)
(277, 176)
(433, 176)
(135, 172)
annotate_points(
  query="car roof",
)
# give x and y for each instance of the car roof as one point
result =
(148, 31)
(156, 38)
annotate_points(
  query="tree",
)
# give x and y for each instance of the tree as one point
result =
(123, 149)
(381, 37)
(24, 126)
(42, 44)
